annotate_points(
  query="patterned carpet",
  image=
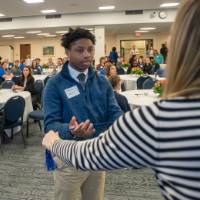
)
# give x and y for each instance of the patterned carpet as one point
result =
(23, 176)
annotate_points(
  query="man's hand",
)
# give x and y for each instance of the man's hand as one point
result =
(49, 139)
(83, 129)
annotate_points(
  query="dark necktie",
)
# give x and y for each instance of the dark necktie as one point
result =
(81, 77)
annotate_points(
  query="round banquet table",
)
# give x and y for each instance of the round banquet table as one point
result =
(6, 94)
(140, 97)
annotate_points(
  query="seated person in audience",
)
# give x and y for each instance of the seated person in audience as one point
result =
(121, 99)
(148, 67)
(10, 64)
(156, 66)
(38, 63)
(28, 60)
(26, 81)
(15, 70)
(163, 136)
(119, 65)
(5, 73)
(59, 64)
(133, 63)
(140, 62)
(35, 68)
(110, 69)
(22, 64)
(101, 66)
(50, 63)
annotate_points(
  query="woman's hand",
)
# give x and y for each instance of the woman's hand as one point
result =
(17, 87)
(49, 139)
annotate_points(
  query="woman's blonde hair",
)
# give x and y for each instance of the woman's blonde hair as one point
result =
(183, 74)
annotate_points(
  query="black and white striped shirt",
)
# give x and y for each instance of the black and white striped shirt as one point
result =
(164, 137)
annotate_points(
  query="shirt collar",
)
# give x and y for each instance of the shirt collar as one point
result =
(74, 73)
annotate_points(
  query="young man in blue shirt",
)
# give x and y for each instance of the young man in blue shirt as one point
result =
(76, 95)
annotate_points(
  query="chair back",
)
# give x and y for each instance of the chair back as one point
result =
(7, 84)
(148, 83)
(14, 109)
(1, 80)
(161, 72)
(38, 86)
(46, 79)
(16, 79)
(140, 81)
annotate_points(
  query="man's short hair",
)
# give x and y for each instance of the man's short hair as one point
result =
(114, 80)
(76, 34)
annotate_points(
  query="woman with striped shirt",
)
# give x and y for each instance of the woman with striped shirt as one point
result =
(164, 136)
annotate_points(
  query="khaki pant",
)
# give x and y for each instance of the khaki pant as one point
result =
(69, 183)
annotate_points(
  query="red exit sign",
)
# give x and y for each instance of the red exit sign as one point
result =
(137, 34)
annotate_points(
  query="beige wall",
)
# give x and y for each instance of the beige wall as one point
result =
(110, 41)
(37, 47)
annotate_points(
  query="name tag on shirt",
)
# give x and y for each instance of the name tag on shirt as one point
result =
(72, 92)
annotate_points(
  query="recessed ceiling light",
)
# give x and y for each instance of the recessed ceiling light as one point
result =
(147, 28)
(50, 35)
(34, 1)
(140, 31)
(106, 7)
(62, 32)
(19, 37)
(7, 36)
(2, 15)
(33, 32)
(43, 34)
(90, 29)
(48, 11)
(164, 5)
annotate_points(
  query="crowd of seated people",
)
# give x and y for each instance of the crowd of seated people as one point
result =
(149, 63)
(23, 75)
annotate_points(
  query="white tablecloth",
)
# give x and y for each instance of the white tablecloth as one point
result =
(140, 97)
(6, 94)
(130, 81)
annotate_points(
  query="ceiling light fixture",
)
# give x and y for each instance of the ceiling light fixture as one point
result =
(43, 34)
(166, 5)
(50, 35)
(33, 32)
(147, 28)
(63, 32)
(106, 7)
(19, 37)
(34, 1)
(140, 31)
(2, 15)
(7, 36)
(48, 11)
